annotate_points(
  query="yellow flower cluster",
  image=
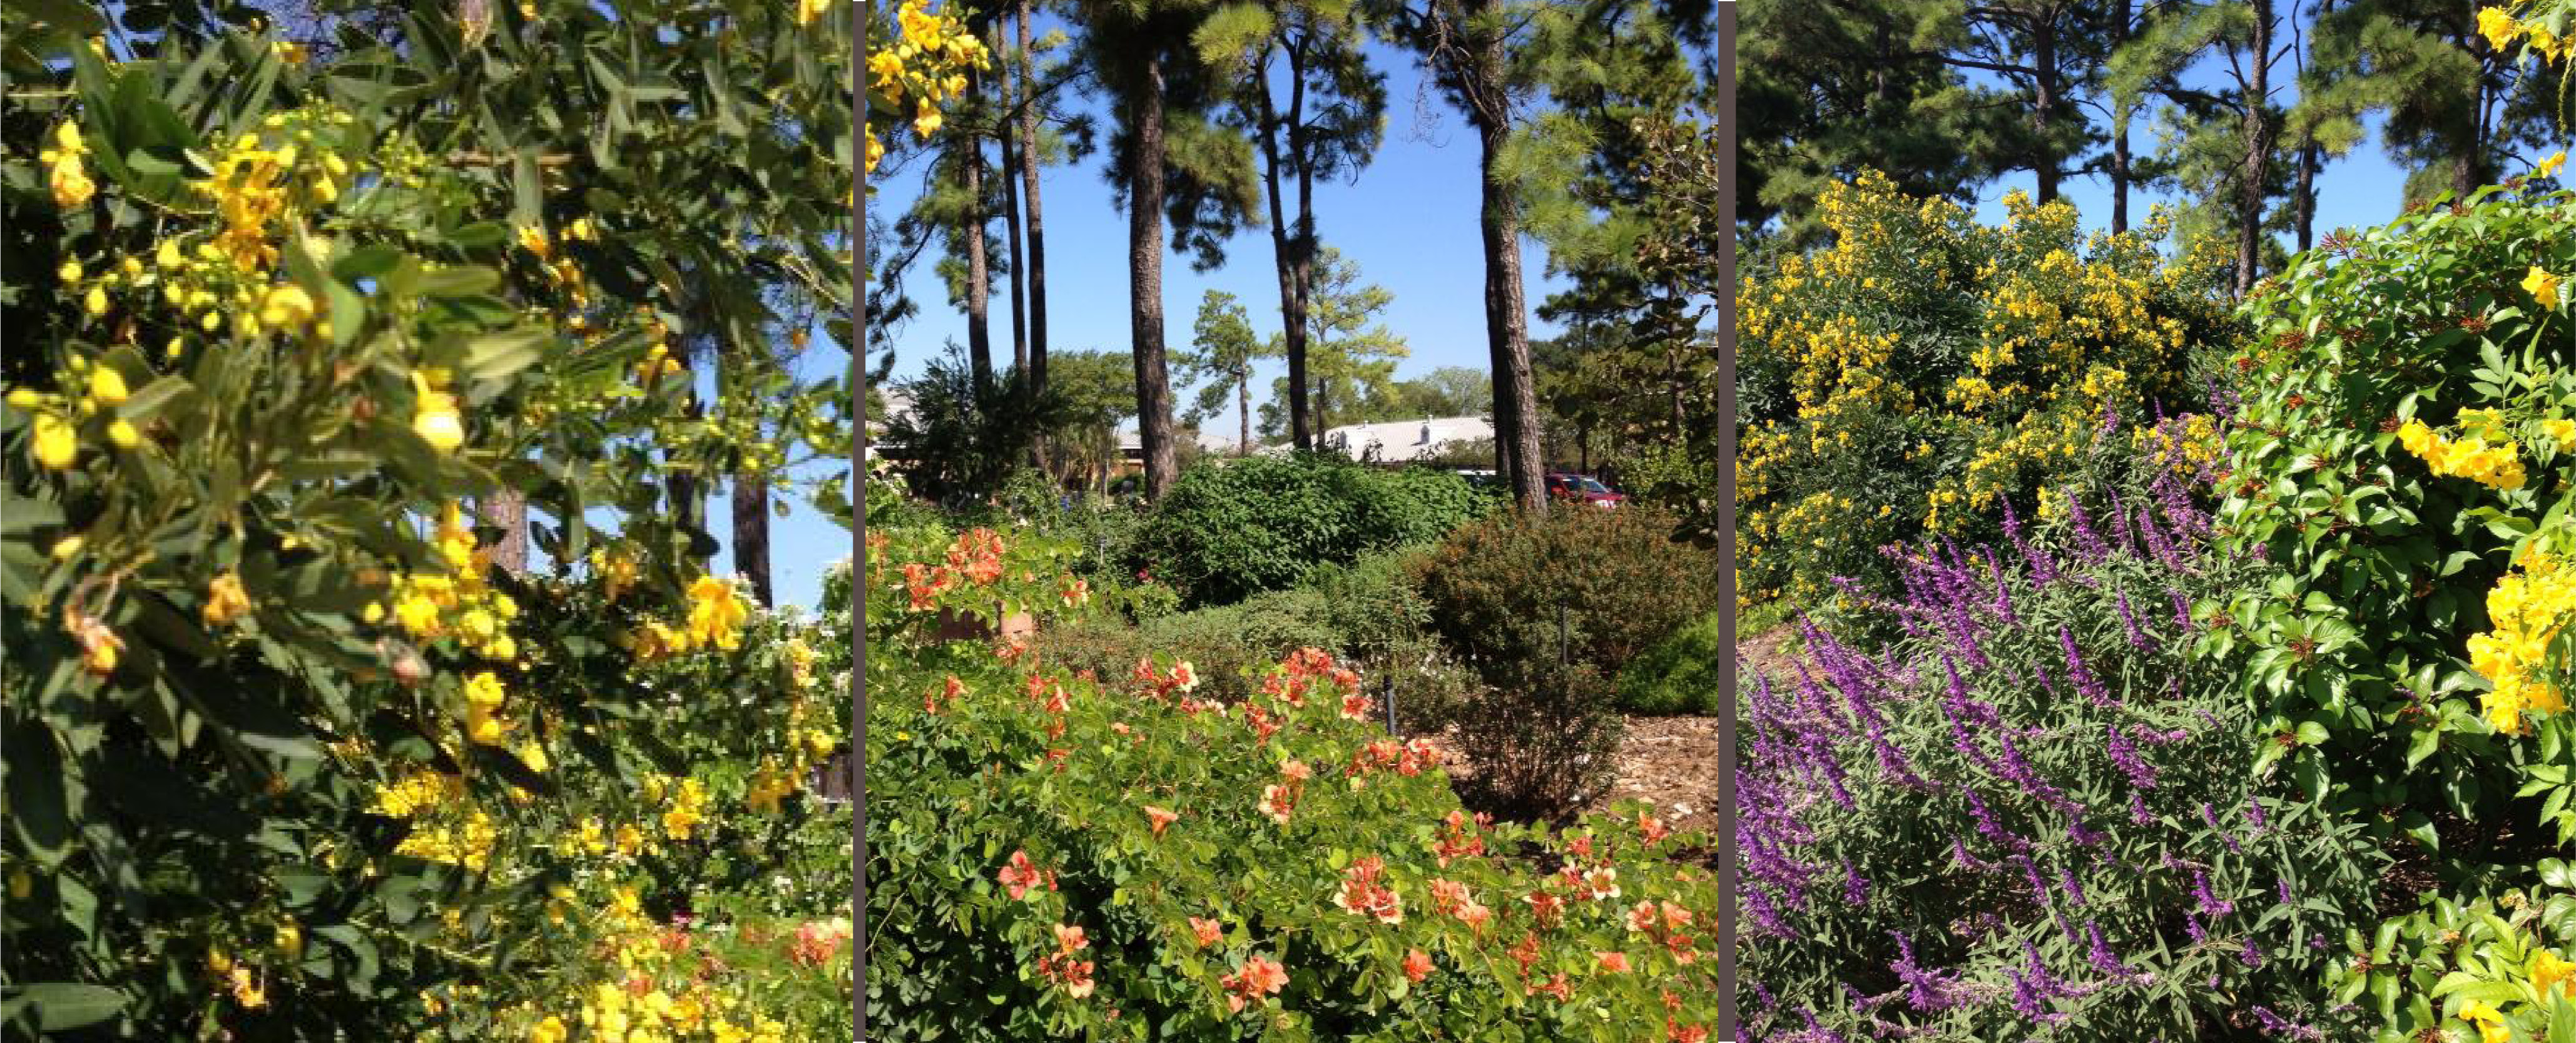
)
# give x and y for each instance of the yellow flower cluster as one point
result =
(2529, 608)
(63, 171)
(467, 843)
(688, 804)
(926, 65)
(2497, 464)
(459, 605)
(2048, 329)
(54, 430)
(716, 614)
(2524, 23)
(2544, 288)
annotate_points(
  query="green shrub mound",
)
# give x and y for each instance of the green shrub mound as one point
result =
(1547, 611)
(1678, 675)
(1228, 529)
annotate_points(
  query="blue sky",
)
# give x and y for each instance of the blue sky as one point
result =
(1409, 220)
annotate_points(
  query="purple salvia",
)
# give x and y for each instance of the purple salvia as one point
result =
(2124, 755)
(2094, 548)
(2084, 680)
(1931, 992)
(2182, 609)
(2043, 568)
(2101, 956)
(2066, 883)
(2138, 809)
(1855, 886)
(2191, 926)
(2121, 537)
(2251, 955)
(2129, 620)
(2209, 902)
(2282, 887)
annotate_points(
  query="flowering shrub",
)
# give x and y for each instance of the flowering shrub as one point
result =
(2491, 969)
(1119, 856)
(2035, 812)
(294, 753)
(2403, 453)
(1926, 371)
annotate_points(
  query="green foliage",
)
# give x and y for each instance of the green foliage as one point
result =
(2419, 974)
(1548, 611)
(1678, 674)
(2387, 564)
(1230, 528)
(1018, 811)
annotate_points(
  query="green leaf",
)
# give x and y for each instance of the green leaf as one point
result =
(36, 797)
(499, 355)
(64, 1005)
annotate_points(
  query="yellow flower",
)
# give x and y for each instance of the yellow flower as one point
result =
(225, 600)
(68, 547)
(436, 418)
(290, 52)
(2550, 972)
(551, 1030)
(925, 118)
(534, 239)
(2498, 27)
(2543, 286)
(809, 10)
(56, 445)
(715, 612)
(2549, 166)
(485, 690)
(123, 434)
(107, 386)
(96, 302)
(286, 307)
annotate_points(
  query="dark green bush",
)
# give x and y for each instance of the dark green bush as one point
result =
(1680, 673)
(1547, 611)
(1228, 529)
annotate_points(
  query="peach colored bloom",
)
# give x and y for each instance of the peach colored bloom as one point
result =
(1417, 965)
(1207, 931)
(1159, 817)
(1613, 962)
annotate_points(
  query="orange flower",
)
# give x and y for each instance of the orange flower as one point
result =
(1613, 962)
(1651, 828)
(1021, 875)
(1417, 965)
(1206, 931)
(1556, 986)
(1546, 907)
(1259, 977)
(1362, 895)
(1675, 1032)
(1159, 817)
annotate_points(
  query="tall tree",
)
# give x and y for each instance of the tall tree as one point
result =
(1351, 354)
(1170, 163)
(2225, 136)
(1225, 348)
(1469, 46)
(1332, 121)
(1032, 156)
(2049, 52)
(2455, 107)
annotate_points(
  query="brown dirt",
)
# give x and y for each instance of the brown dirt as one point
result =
(1672, 761)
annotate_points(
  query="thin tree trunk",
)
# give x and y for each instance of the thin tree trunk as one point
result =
(979, 330)
(1292, 303)
(1243, 409)
(2119, 132)
(2258, 152)
(1302, 256)
(1506, 321)
(2043, 110)
(751, 533)
(507, 510)
(1029, 161)
(2307, 191)
(1145, 284)
(1011, 160)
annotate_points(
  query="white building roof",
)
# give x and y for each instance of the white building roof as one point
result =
(1405, 440)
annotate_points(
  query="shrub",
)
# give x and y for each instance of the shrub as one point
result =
(1926, 371)
(1228, 529)
(1056, 858)
(1547, 611)
(2406, 451)
(1678, 674)
(2036, 815)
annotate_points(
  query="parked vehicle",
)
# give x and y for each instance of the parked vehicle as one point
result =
(1565, 485)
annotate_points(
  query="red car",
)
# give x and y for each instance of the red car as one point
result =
(1567, 486)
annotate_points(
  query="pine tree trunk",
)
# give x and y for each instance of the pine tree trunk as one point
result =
(1029, 160)
(1145, 284)
(1243, 410)
(2043, 112)
(2119, 132)
(1506, 321)
(1302, 257)
(1283, 249)
(2258, 152)
(2307, 191)
(507, 510)
(751, 533)
(1011, 160)
(979, 329)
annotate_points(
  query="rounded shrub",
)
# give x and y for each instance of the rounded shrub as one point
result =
(1547, 610)
(1678, 674)
(1229, 528)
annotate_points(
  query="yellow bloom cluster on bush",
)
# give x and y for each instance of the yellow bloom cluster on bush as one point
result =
(2497, 464)
(2526, 23)
(2528, 608)
(2035, 333)
(925, 65)
(459, 605)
